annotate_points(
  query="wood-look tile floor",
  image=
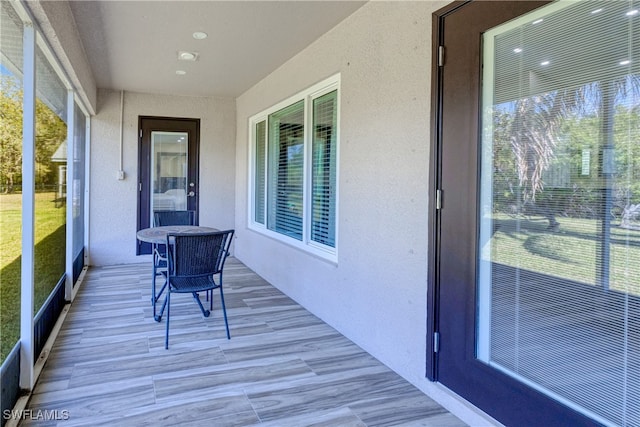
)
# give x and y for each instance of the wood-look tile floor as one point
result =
(282, 366)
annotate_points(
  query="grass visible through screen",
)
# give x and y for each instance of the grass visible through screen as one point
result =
(568, 253)
(49, 256)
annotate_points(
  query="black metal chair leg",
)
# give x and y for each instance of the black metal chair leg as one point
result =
(157, 296)
(153, 283)
(205, 312)
(158, 317)
(168, 304)
(224, 312)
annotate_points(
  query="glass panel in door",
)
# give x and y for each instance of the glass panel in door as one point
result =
(169, 186)
(51, 183)
(11, 88)
(559, 253)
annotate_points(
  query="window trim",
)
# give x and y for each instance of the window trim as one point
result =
(308, 96)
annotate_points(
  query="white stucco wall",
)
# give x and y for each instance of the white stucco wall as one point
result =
(376, 295)
(114, 203)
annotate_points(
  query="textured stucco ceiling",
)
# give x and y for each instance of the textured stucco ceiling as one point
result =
(134, 45)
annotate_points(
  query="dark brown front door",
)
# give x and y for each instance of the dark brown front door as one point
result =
(168, 168)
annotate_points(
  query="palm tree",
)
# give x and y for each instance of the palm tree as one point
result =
(536, 126)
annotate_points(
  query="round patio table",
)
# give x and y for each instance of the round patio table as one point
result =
(158, 235)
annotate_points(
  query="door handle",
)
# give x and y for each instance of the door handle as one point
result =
(191, 193)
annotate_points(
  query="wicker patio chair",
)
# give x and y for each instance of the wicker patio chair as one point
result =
(193, 262)
(161, 218)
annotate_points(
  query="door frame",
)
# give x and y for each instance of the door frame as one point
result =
(146, 125)
(451, 297)
(435, 199)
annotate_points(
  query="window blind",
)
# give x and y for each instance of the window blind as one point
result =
(10, 41)
(286, 169)
(259, 174)
(49, 87)
(323, 203)
(559, 276)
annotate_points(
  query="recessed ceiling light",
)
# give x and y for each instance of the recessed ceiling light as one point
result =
(200, 35)
(632, 12)
(593, 12)
(187, 56)
(181, 72)
(543, 63)
(517, 50)
(625, 62)
(537, 21)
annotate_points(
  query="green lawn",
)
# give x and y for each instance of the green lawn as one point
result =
(49, 259)
(569, 253)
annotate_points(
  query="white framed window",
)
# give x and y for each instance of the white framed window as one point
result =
(293, 149)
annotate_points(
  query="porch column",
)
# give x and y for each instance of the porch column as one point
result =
(69, 258)
(27, 287)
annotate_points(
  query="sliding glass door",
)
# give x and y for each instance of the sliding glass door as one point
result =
(541, 237)
(559, 257)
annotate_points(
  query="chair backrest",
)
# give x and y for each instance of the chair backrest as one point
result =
(198, 254)
(161, 218)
